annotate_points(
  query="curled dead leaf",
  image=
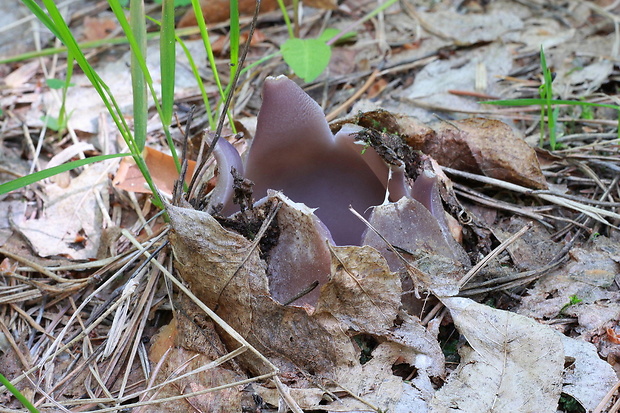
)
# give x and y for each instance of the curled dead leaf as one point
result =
(511, 362)
(162, 169)
(477, 145)
(361, 298)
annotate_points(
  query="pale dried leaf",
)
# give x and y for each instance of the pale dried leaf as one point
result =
(587, 378)
(361, 298)
(471, 28)
(363, 293)
(71, 221)
(409, 227)
(588, 276)
(511, 363)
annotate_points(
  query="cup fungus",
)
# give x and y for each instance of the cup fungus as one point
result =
(295, 152)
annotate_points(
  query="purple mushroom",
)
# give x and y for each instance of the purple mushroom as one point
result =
(295, 152)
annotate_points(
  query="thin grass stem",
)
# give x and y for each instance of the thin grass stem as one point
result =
(138, 80)
(287, 19)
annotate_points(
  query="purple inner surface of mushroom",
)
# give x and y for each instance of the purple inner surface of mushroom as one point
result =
(295, 152)
(227, 158)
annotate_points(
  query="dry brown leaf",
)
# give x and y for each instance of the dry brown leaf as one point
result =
(485, 146)
(587, 378)
(97, 28)
(511, 363)
(226, 273)
(181, 361)
(215, 11)
(191, 342)
(361, 280)
(470, 28)
(322, 4)
(590, 277)
(534, 249)
(161, 167)
(477, 145)
(362, 297)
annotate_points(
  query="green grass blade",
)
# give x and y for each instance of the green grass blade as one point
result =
(260, 61)
(204, 33)
(46, 173)
(346, 31)
(42, 16)
(22, 399)
(102, 89)
(138, 80)
(62, 116)
(287, 20)
(538, 102)
(167, 60)
(546, 93)
(141, 61)
(167, 64)
(234, 37)
(201, 86)
(85, 45)
(196, 73)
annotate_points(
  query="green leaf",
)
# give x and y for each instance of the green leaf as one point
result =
(308, 57)
(56, 83)
(328, 33)
(177, 3)
(52, 122)
(139, 73)
(234, 35)
(46, 173)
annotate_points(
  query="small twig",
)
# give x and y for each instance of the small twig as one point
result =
(411, 270)
(178, 185)
(302, 293)
(200, 170)
(286, 395)
(466, 192)
(591, 211)
(356, 397)
(515, 280)
(261, 232)
(610, 394)
(476, 268)
(332, 115)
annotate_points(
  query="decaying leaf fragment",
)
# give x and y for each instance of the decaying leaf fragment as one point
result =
(410, 227)
(511, 363)
(71, 222)
(476, 145)
(587, 378)
(359, 303)
(487, 146)
(161, 166)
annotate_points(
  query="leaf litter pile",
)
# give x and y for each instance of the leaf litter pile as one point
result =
(420, 253)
